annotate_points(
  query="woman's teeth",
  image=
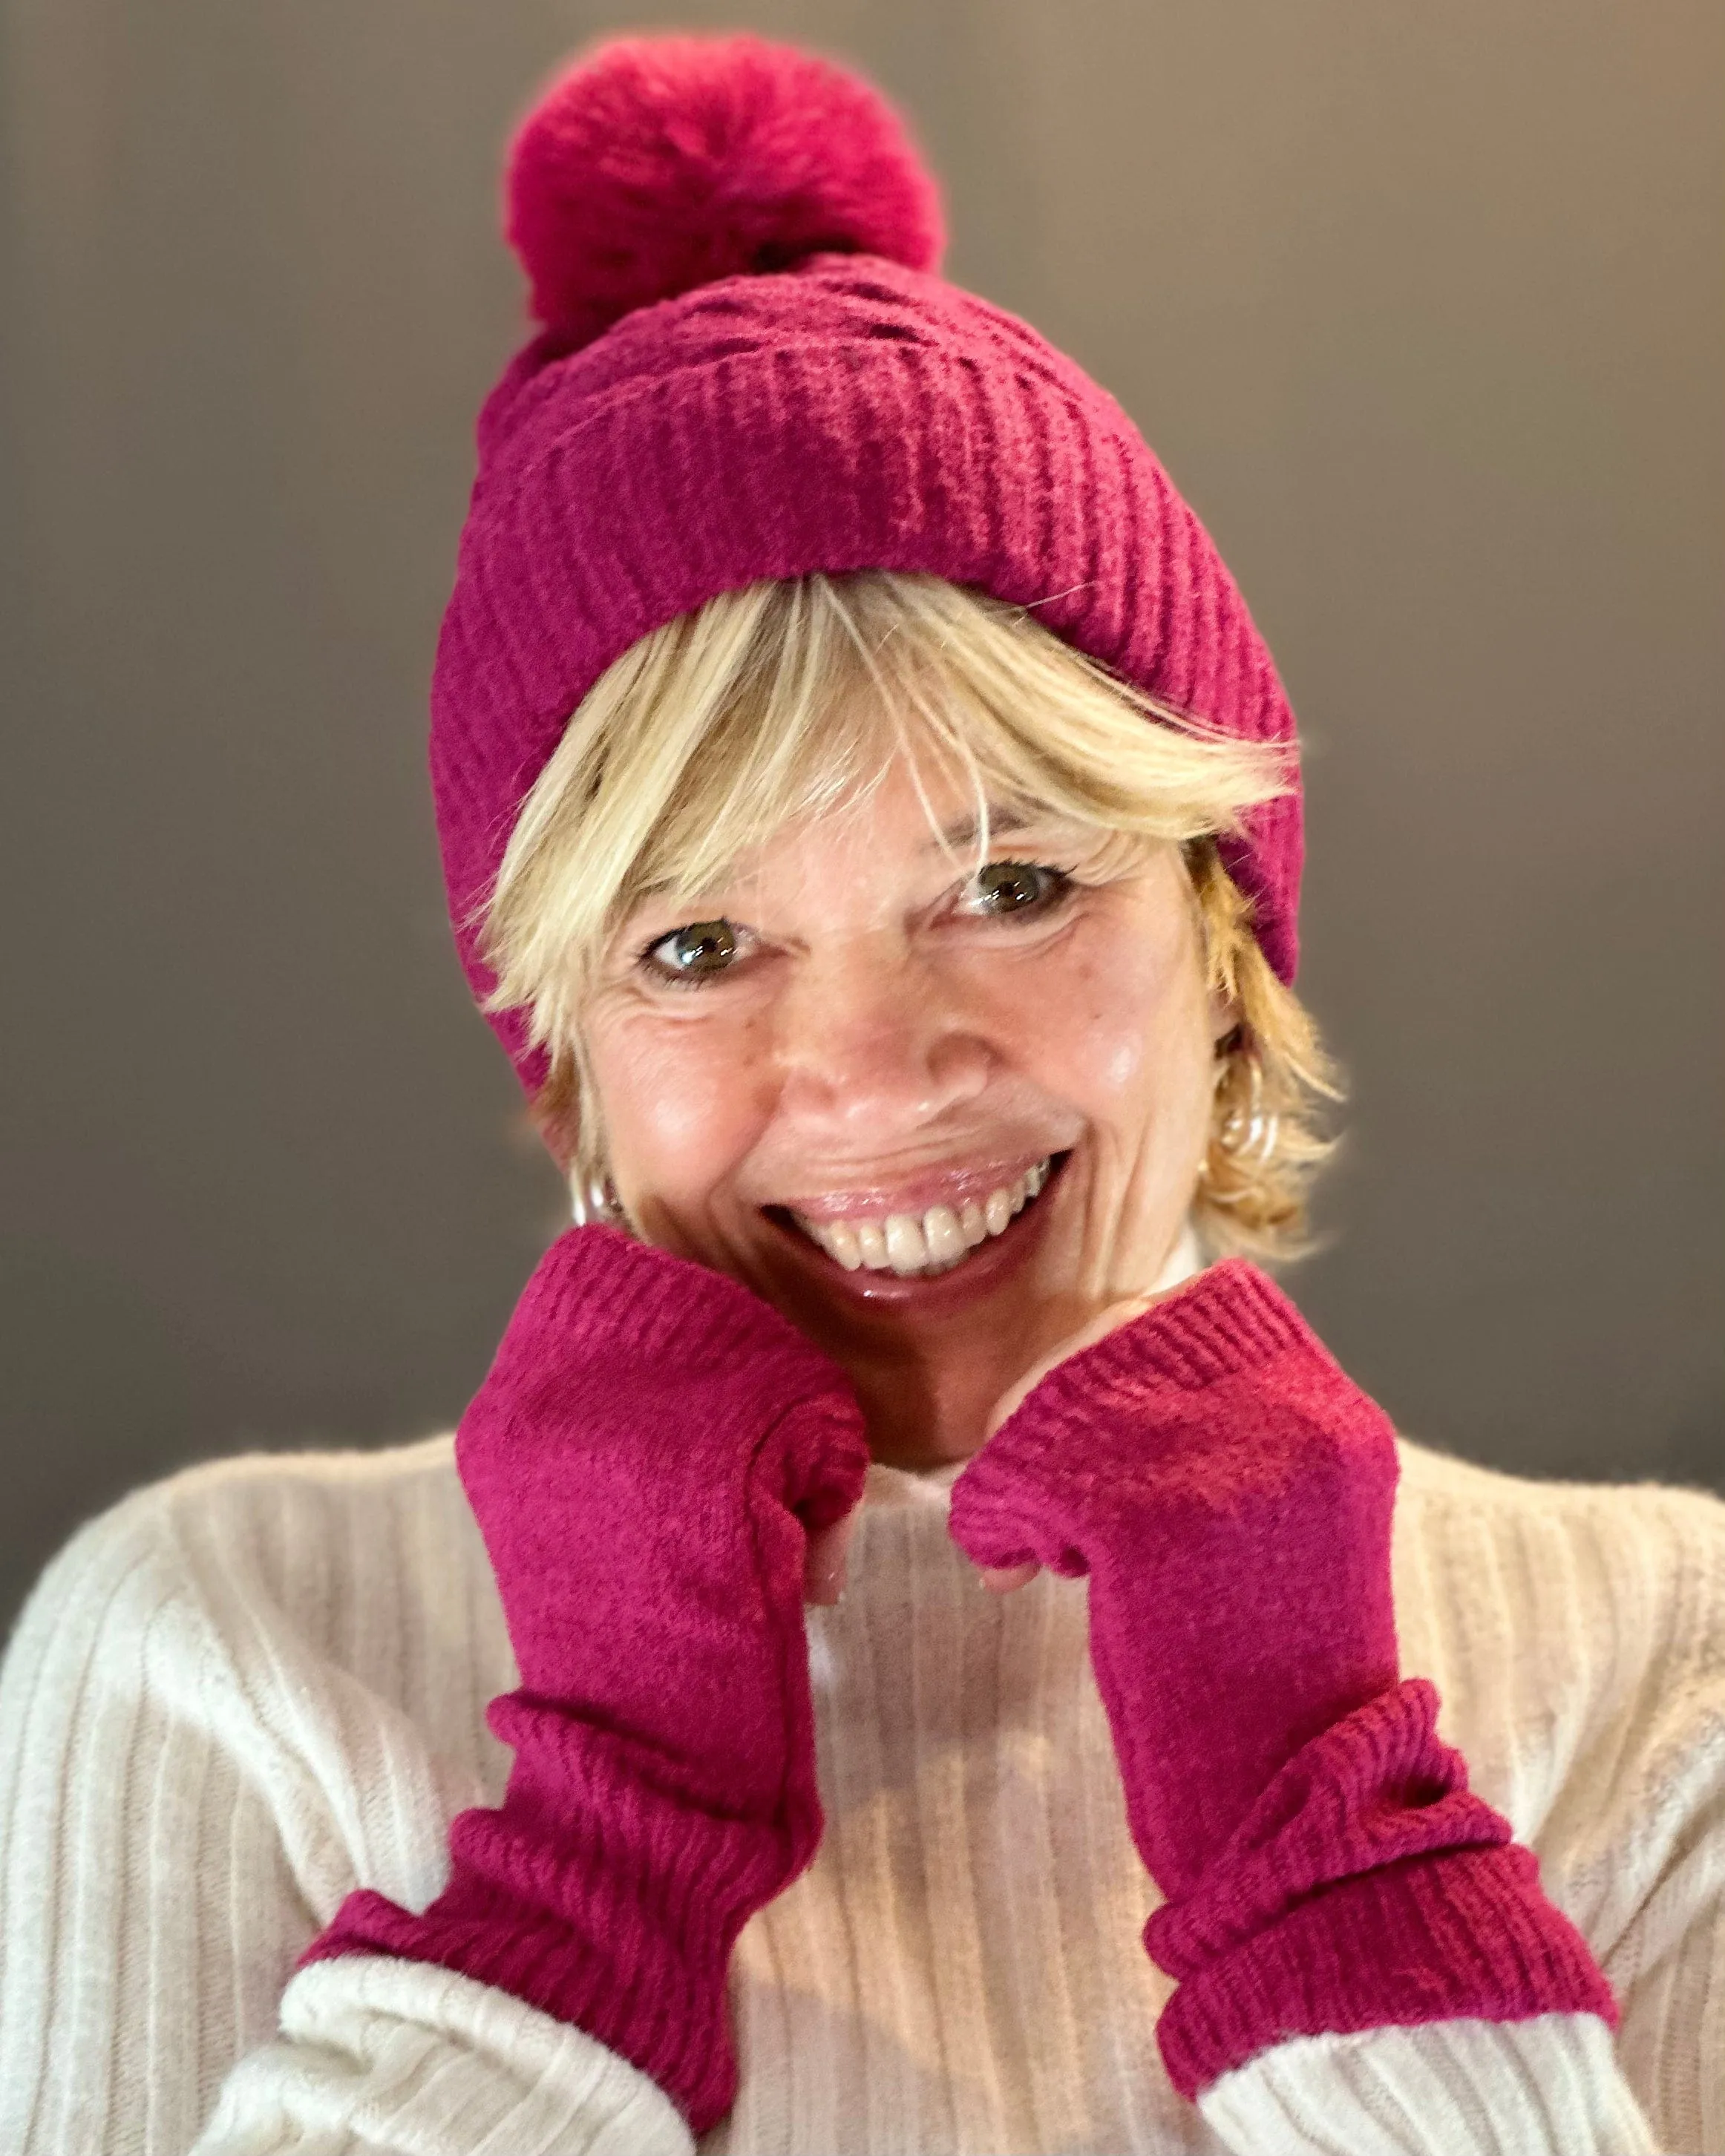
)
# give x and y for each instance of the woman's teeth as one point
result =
(931, 1242)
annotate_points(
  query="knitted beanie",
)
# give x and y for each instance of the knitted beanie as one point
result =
(748, 366)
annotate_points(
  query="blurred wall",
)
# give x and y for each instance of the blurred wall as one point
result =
(1421, 306)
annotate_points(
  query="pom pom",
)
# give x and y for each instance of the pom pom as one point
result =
(657, 164)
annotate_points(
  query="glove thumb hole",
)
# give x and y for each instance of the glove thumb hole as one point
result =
(992, 1541)
(823, 1463)
(820, 1509)
(995, 1540)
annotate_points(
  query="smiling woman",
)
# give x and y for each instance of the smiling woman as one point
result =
(871, 823)
(787, 701)
(925, 871)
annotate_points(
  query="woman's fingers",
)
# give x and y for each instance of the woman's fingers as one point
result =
(1008, 1579)
(824, 1561)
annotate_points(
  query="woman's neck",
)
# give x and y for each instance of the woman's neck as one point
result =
(927, 1398)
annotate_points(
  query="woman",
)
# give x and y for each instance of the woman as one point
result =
(872, 826)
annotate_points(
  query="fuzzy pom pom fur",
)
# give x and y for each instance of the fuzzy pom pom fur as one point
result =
(657, 164)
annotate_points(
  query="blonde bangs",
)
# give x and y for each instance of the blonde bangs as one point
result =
(789, 699)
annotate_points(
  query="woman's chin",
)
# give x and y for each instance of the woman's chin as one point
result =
(929, 1354)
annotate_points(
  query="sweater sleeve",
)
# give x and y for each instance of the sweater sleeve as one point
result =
(184, 1794)
(1546, 2087)
(402, 2058)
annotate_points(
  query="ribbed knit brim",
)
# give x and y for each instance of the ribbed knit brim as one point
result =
(847, 414)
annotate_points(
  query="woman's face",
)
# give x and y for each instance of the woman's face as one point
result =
(937, 1118)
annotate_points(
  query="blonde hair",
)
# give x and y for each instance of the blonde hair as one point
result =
(710, 734)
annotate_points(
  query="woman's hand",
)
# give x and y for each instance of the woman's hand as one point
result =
(649, 1459)
(1230, 1493)
(1006, 1579)
(652, 1435)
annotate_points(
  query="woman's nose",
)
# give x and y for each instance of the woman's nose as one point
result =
(875, 1046)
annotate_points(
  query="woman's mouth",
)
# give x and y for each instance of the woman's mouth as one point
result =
(922, 1245)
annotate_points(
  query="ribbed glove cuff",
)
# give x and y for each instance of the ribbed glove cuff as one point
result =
(1465, 1934)
(603, 1897)
(1369, 1887)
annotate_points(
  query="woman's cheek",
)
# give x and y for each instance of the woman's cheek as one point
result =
(1096, 1024)
(678, 1102)
(1121, 1032)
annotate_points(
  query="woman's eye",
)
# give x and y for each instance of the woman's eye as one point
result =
(696, 951)
(1004, 887)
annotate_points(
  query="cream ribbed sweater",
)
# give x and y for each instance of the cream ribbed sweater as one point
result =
(247, 1689)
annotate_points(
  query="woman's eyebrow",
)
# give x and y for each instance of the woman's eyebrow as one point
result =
(965, 830)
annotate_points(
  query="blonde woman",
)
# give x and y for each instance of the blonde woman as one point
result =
(872, 826)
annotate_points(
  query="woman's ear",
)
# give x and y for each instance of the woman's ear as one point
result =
(1225, 1018)
(555, 1112)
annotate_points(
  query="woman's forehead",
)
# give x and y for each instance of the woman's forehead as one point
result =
(898, 816)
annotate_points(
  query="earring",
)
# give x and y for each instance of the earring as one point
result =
(1247, 1135)
(595, 1202)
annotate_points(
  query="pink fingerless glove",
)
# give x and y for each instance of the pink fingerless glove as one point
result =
(1230, 1492)
(643, 1458)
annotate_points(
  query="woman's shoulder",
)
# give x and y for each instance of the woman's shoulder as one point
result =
(1631, 1574)
(284, 1520)
(263, 1478)
(1576, 1634)
(1617, 1556)
(1434, 1475)
(302, 1630)
(277, 1665)
(266, 1571)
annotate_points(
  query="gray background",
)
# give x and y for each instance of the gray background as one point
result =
(1421, 306)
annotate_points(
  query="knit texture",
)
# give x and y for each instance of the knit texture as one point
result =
(653, 165)
(247, 1690)
(833, 410)
(1230, 1492)
(643, 1458)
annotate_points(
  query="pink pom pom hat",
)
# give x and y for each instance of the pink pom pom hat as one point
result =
(749, 366)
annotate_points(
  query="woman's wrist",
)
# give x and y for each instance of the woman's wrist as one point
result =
(1371, 1888)
(602, 1893)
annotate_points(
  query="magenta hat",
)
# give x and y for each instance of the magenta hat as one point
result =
(748, 366)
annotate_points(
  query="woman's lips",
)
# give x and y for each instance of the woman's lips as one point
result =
(914, 1193)
(930, 1241)
(980, 1269)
